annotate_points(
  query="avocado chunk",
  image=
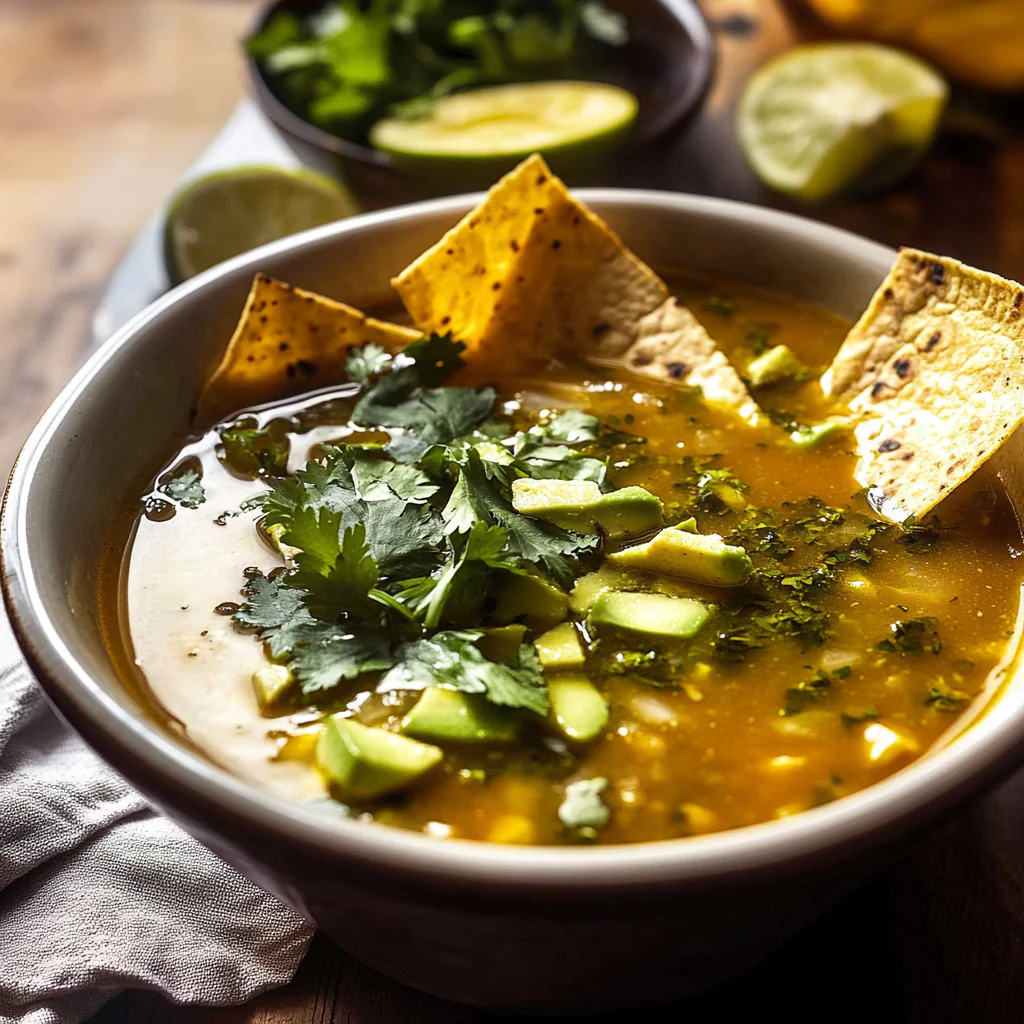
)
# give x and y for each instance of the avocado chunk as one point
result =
(629, 511)
(655, 615)
(686, 526)
(578, 707)
(690, 556)
(588, 587)
(501, 643)
(365, 763)
(579, 505)
(560, 647)
(566, 503)
(272, 684)
(532, 601)
(447, 716)
(814, 434)
(775, 366)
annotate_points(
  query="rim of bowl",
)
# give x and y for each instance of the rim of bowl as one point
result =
(686, 102)
(989, 747)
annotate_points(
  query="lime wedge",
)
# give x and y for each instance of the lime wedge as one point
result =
(231, 212)
(486, 131)
(828, 118)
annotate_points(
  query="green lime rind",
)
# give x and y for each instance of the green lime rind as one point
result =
(473, 137)
(230, 212)
(826, 119)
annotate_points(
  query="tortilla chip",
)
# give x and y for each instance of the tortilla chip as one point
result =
(934, 371)
(528, 275)
(289, 340)
(672, 344)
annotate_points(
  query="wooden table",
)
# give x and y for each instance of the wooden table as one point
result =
(104, 102)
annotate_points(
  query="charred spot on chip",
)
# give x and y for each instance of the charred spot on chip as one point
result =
(541, 179)
(600, 330)
(938, 273)
(556, 244)
(903, 368)
(449, 252)
(935, 338)
(1017, 300)
(283, 346)
(514, 245)
(445, 321)
(496, 287)
(890, 445)
(575, 220)
(263, 319)
(907, 456)
(888, 294)
(250, 359)
(538, 210)
(305, 367)
(878, 387)
(677, 370)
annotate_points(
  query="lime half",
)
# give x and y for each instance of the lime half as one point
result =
(486, 131)
(828, 118)
(231, 212)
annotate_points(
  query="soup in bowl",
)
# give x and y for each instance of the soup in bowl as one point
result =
(635, 633)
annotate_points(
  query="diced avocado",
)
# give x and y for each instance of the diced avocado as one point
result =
(690, 556)
(501, 643)
(774, 366)
(579, 505)
(578, 707)
(588, 587)
(566, 503)
(365, 763)
(560, 647)
(447, 716)
(652, 614)
(271, 683)
(813, 434)
(686, 526)
(629, 511)
(530, 600)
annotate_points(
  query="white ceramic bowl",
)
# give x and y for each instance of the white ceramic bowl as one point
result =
(537, 929)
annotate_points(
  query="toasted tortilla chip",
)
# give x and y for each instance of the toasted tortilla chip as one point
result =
(672, 344)
(530, 274)
(289, 340)
(934, 372)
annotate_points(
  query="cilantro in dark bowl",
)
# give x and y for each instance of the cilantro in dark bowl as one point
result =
(326, 72)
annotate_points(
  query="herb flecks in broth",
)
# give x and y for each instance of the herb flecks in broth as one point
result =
(395, 583)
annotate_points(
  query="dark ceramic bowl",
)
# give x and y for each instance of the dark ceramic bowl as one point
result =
(667, 65)
(540, 929)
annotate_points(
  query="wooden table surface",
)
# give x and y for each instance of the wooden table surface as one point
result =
(104, 102)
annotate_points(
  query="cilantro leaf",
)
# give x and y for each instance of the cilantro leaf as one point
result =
(277, 613)
(945, 698)
(912, 636)
(557, 462)
(436, 358)
(571, 426)
(321, 663)
(185, 485)
(378, 479)
(451, 659)
(426, 416)
(250, 450)
(582, 808)
(365, 362)
(479, 496)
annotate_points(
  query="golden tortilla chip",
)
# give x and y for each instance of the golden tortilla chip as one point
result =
(672, 344)
(529, 274)
(532, 274)
(289, 340)
(934, 371)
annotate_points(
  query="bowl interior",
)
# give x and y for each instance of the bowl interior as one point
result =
(667, 65)
(127, 409)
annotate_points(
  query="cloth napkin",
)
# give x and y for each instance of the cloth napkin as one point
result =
(99, 894)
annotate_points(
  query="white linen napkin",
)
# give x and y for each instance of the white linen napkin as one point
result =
(98, 893)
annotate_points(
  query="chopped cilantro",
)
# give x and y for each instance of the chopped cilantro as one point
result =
(920, 538)
(185, 484)
(451, 659)
(946, 698)
(365, 362)
(912, 636)
(857, 716)
(797, 698)
(251, 451)
(571, 427)
(582, 809)
(709, 488)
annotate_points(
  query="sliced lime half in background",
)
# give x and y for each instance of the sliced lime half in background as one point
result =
(482, 132)
(231, 212)
(828, 118)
